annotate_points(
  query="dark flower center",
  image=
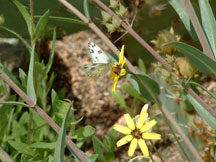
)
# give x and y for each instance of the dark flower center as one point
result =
(136, 133)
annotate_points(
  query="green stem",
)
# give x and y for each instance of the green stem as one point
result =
(151, 157)
(28, 141)
(32, 17)
(157, 101)
(156, 150)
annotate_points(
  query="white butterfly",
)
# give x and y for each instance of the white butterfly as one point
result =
(101, 63)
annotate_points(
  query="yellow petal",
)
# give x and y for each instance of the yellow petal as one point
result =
(123, 72)
(121, 56)
(132, 147)
(123, 62)
(143, 147)
(129, 121)
(114, 84)
(122, 129)
(112, 75)
(144, 108)
(151, 136)
(142, 119)
(124, 140)
(148, 125)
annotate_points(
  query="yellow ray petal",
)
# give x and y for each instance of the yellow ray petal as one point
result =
(142, 119)
(144, 108)
(112, 75)
(123, 72)
(132, 147)
(129, 121)
(121, 56)
(148, 125)
(123, 62)
(122, 129)
(151, 135)
(124, 140)
(143, 147)
(114, 84)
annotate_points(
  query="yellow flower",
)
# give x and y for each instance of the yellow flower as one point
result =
(118, 70)
(137, 133)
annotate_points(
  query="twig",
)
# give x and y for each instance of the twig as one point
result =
(96, 30)
(4, 156)
(190, 11)
(154, 53)
(42, 113)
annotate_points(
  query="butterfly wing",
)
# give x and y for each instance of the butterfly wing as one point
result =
(97, 54)
(96, 70)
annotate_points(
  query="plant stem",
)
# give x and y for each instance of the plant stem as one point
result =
(156, 150)
(167, 116)
(199, 31)
(28, 141)
(154, 53)
(43, 114)
(151, 157)
(32, 16)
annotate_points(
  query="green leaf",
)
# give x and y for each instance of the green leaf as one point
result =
(144, 85)
(177, 5)
(43, 145)
(18, 36)
(131, 91)
(59, 150)
(25, 14)
(86, 8)
(49, 64)
(41, 25)
(209, 92)
(30, 82)
(142, 65)
(197, 58)
(208, 23)
(22, 148)
(211, 120)
(82, 134)
(65, 19)
(119, 98)
(23, 77)
(14, 103)
(98, 149)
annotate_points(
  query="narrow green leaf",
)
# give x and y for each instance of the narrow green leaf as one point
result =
(41, 25)
(142, 65)
(25, 14)
(208, 23)
(14, 103)
(18, 36)
(65, 19)
(59, 150)
(131, 91)
(197, 58)
(211, 120)
(43, 145)
(30, 82)
(177, 5)
(144, 85)
(98, 149)
(209, 92)
(49, 64)
(22, 148)
(119, 98)
(86, 8)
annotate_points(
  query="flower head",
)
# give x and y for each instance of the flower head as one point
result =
(137, 133)
(118, 70)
